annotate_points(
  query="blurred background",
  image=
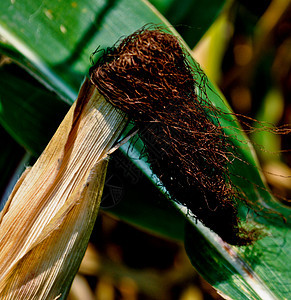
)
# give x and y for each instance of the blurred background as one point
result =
(246, 53)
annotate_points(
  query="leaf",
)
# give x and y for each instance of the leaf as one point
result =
(47, 221)
(10, 156)
(57, 41)
(28, 112)
(189, 17)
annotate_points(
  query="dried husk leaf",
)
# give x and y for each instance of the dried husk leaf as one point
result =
(47, 221)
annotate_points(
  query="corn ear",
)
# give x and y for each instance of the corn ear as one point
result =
(48, 218)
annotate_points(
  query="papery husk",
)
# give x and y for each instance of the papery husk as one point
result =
(47, 221)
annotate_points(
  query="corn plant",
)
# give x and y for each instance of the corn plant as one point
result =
(48, 45)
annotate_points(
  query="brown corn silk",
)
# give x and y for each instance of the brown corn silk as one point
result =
(148, 76)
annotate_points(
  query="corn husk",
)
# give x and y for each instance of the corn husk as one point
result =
(48, 218)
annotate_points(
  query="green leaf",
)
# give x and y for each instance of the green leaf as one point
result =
(54, 42)
(59, 39)
(28, 112)
(10, 155)
(260, 271)
(141, 204)
(189, 17)
(270, 112)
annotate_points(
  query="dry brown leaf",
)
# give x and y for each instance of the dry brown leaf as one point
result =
(47, 221)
